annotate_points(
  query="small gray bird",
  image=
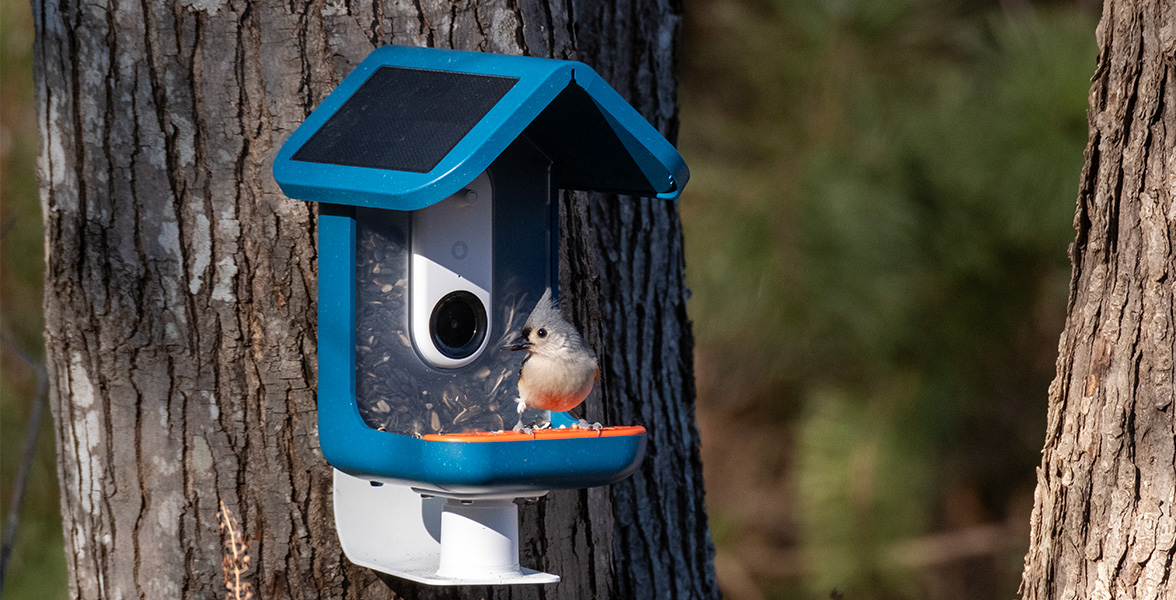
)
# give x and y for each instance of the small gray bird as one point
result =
(559, 370)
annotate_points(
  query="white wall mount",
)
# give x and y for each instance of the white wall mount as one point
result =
(429, 539)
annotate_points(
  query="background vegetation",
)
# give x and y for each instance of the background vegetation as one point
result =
(876, 231)
(881, 201)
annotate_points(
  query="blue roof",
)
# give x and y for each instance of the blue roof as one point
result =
(404, 150)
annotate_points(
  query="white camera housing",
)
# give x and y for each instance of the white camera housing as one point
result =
(453, 251)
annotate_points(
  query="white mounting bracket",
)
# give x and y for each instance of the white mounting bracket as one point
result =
(428, 539)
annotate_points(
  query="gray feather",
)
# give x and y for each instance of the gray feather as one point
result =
(546, 314)
(564, 337)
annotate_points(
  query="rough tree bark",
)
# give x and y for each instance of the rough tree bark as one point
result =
(180, 295)
(1104, 517)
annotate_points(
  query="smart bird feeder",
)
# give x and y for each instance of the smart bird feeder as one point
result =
(436, 174)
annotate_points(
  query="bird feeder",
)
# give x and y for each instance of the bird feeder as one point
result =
(436, 174)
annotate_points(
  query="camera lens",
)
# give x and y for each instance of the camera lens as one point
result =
(458, 324)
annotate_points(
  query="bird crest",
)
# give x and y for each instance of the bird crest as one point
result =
(545, 313)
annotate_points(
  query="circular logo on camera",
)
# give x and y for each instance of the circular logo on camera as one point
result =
(460, 250)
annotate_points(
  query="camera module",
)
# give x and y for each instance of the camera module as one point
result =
(458, 324)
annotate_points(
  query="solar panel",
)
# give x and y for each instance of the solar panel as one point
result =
(404, 119)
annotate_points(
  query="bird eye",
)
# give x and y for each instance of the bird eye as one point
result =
(542, 333)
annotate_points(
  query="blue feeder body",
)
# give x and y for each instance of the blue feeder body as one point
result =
(407, 129)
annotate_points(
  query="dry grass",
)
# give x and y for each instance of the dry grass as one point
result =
(235, 564)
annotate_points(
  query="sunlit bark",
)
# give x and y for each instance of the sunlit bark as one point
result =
(1104, 520)
(181, 283)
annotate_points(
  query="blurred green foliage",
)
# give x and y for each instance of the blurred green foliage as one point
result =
(37, 568)
(876, 230)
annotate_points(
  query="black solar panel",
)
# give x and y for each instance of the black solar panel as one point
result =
(404, 119)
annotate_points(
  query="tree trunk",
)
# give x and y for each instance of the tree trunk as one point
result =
(1104, 517)
(180, 296)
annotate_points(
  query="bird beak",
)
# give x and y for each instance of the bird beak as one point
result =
(519, 344)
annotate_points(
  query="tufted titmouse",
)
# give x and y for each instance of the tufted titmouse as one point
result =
(559, 369)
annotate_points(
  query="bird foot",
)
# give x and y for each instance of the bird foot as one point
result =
(583, 424)
(522, 406)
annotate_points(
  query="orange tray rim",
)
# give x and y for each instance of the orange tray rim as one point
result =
(536, 435)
